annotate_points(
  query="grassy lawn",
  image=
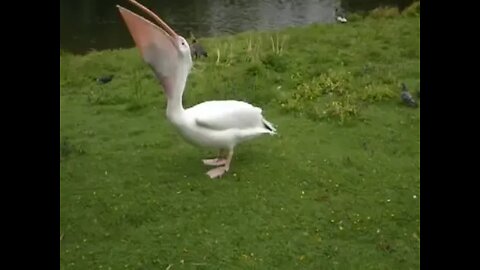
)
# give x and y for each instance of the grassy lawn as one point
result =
(338, 188)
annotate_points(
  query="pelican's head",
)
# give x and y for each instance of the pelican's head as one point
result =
(184, 48)
(167, 53)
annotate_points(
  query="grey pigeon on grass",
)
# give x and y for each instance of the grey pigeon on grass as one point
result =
(407, 97)
(340, 15)
(104, 79)
(198, 50)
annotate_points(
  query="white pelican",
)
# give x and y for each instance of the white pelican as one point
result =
(217, 124)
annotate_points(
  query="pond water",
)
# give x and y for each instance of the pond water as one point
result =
(96, 24)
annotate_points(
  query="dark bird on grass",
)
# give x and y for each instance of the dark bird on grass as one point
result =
(104, 79)
(198, 50)
(340, 15)
(407, 97)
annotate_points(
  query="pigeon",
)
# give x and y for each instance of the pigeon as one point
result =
(340, 15)
(407, 97)
(104, 79)
(198, 50)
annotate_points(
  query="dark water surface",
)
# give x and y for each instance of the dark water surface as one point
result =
(96, 24)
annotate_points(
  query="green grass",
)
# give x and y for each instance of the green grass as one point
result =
(338, 188)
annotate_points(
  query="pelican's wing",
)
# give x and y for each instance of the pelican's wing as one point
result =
(156, 46)
(228, 114)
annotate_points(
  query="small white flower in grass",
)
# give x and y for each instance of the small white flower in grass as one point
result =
(388, 200)
(341, 228)
(414, 196)
(378, 230)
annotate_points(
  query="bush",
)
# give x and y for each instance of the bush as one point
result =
(324, 97)
(384, 12)
(412, 10)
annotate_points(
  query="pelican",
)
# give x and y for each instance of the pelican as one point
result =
(216, 124)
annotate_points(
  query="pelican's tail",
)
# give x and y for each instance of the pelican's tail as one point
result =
(269, 126)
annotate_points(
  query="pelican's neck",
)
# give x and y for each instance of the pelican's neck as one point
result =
(174, 101)
(175, 108)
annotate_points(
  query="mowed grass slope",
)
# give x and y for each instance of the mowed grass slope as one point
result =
(338, 188)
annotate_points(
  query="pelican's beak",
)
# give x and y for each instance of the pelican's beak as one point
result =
(144, 32)
(158, 44)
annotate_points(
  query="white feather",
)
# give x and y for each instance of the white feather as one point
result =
(222, 124)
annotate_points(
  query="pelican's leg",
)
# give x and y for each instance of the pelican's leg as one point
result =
(220, 160)
(220, 171)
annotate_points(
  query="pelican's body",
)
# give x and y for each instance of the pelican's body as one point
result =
(221, 124)
(218, 124)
